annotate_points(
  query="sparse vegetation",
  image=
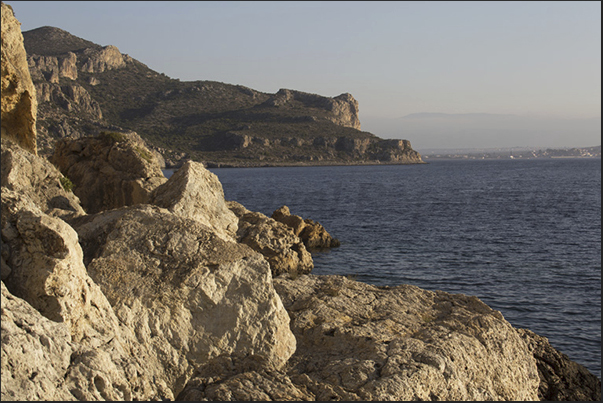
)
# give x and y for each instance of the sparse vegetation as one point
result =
(113, 136)
(146, 155)
(66, 184)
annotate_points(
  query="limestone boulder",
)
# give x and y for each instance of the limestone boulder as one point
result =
(361, 342)
(36, 352)
(39, 180)
(19, 104)
(185, 292)
(276, 241)
(109, 171)
(59, 314)
(561, 379)
(238, 378)
(312, 233)
(194, 192)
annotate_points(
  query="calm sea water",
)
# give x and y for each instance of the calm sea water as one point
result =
(522, 235)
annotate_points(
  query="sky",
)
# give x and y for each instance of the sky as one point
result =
(536, 60)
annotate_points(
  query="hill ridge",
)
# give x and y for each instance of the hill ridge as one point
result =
(96, 88)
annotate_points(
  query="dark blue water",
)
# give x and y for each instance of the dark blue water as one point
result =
(522, 235)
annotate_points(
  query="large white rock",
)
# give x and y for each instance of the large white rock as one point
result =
(358, 341)
(43, 266)
(196, 193)
(183, 290)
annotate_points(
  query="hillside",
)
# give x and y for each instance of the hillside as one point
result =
(84, 88)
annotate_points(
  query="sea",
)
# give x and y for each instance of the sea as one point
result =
(524, 236)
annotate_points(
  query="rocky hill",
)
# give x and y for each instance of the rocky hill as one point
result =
(84, 88)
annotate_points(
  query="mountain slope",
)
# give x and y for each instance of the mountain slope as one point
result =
(84, 88)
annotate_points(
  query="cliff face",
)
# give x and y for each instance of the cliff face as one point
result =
(19, 102)
(344, 108)
(179, 294)
(83, 89)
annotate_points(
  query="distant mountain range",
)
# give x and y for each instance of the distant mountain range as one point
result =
(454, 131)
(84, 88)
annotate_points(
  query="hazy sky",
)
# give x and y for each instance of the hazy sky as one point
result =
(526, 58)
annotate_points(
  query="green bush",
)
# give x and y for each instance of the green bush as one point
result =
(144, 154)
(113, 136)
(66, 184)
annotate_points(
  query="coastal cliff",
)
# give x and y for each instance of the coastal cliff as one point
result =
(163, 290)
(84, 89)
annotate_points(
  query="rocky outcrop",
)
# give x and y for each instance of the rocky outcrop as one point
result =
(151, 296)
(67, 110)
(276, 241)
(39, 181)
(361, 342)
(312, 233)
(184, 291)
(236, 378)
(343, 108)
(397, 151)
(53, 310)
(19, 103)
(194, 192)
(101, 60)
(52, 68)
(109, 171)
(71, 98)
(561, 379)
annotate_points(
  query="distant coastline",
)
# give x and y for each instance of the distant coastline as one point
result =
(512, 153)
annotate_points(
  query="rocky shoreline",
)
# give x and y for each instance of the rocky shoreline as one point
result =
(120, 284)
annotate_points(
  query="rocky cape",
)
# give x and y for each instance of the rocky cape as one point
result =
(84, 88)
(135, 287)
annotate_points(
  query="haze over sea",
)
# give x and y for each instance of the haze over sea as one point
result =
(522, 235)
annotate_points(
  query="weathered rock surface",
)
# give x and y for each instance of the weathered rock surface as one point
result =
(19, 103)
(196, 193)
(312, 233)
(362, 342)
(561, 379)
(183, 290)
(100, 60)
(39, 180)
(109, 171)
(35, 353)
(343, 108)
(71, 98)
(236, 378)
(92, 356)
(283, 249)
(52, 68)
